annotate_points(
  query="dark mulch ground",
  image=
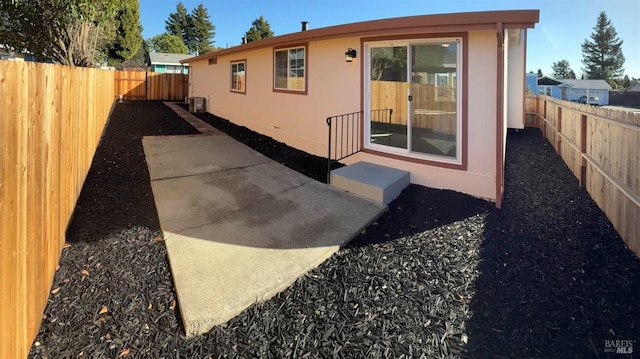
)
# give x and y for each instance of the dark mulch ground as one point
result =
(441, 274)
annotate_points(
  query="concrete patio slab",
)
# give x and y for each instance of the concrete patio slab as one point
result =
(192, 155)
(240, 227)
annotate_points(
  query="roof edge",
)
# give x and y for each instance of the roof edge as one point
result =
(461, 21)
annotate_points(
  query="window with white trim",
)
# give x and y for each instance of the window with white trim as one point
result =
(238, 76)
(290, 69)
(412, 107)
(544, 90)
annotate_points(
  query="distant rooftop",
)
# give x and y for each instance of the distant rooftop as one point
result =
(161, 58)
(583, 84)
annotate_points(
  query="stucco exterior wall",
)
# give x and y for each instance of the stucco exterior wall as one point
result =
(515, 84)
(298, 120)
(479, 178)
(334, 87)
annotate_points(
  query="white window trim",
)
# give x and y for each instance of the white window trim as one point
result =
(458, 160)
(544, 90)
(244, 62)
(304, 69)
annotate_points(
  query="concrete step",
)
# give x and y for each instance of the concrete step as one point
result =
(378, 183)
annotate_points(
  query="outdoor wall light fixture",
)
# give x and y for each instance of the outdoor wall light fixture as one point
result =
(350, 55)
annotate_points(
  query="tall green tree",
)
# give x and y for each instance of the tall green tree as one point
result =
(260, 29)
(624, 83)
(178, 22)
(70, 32)
(540, 74)
(602, 55)
(562, 70)
(201, 31)
(167, 43)
(128, 37)
(140, 60)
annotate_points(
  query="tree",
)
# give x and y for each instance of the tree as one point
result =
(167, 43)
(128, 37)
(260, 29)
(201, 31)
(65, 31)
(139, 60)
(624, 83)
(562, 70)
(602, 55)
(540, 73)
(178, 22)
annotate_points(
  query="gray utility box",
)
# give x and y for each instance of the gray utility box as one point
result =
(197, 104)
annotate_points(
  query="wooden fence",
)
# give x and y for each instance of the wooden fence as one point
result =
(141, 85)
(434, 107)
(51, 120)
(602, 148)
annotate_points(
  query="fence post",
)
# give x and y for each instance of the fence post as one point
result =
(329, 152)
(558, 135)
(538, 113)
(583, 149)
(544, 118)
(146, 85)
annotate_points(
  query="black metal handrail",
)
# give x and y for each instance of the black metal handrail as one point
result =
(345, 134)
(346, 141)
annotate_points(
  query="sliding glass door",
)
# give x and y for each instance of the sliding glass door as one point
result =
(412, 98)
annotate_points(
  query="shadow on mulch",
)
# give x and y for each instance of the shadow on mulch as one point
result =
(310, 165)
(440, 274)
(117, 192)
(555, 279)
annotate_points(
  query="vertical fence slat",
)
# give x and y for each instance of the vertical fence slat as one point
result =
(51, 118)
(140, 85)
(600, 146)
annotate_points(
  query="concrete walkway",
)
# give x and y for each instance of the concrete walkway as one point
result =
(238, 226)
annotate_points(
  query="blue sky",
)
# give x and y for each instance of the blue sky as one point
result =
(563, 26)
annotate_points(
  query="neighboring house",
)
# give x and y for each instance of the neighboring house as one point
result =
(168, 63)
(454, 82)
(634, 87)
(8, 54)
(549, 87)
(531, 83)
(571, 90)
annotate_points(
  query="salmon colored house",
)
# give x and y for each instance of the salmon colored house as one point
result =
(431, 96)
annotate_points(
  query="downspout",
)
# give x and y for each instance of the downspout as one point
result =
(524, 80)
(499, 114)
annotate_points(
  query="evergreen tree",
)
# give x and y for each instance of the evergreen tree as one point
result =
(562, 70)
(624, 83)
(201, 31)
(128, 36)
(140, 60)
(540, 73)
(167, 43)
(602, 55)
(260, 29)
(178, 23)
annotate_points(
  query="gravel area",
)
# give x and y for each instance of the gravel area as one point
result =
(440, 274)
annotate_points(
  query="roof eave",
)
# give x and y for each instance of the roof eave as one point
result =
(170, 63)
(514, 19)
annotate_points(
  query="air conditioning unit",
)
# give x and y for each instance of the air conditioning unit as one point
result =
(196, 104)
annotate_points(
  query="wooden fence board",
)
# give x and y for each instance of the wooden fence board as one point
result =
(51, 118)
(603, 152)
(431, 112)
(140, 85)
